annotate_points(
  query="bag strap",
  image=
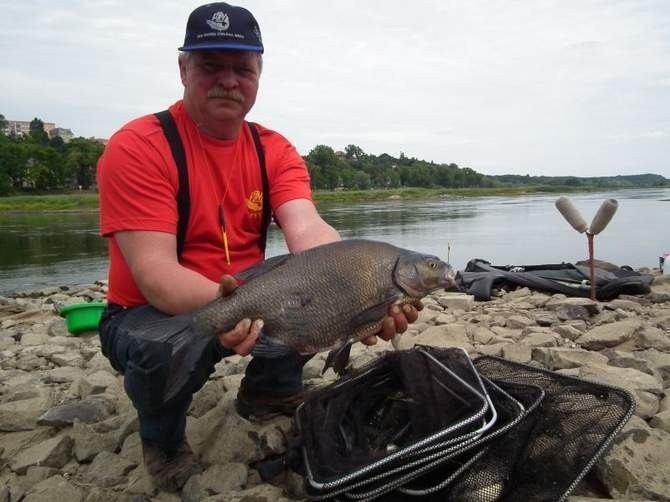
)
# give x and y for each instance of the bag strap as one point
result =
(265, 220)
(183, 194)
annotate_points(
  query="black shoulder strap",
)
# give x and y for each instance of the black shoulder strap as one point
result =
(267, 212)
(183, 198)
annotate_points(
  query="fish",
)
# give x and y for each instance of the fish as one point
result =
(324, 298)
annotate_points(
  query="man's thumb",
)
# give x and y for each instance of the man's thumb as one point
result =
(227, 285)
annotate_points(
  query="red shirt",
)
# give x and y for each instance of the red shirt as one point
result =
(138, 183)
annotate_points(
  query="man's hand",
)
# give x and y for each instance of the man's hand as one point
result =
(242, 338)
(396, 322)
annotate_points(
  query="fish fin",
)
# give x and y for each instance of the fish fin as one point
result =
(175, 330)
(262, 268)
(373, 314)
(270, 348)
(338, 358)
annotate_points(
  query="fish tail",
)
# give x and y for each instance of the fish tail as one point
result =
(338, 358)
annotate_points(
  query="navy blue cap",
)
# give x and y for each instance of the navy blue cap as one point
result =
(222, 27)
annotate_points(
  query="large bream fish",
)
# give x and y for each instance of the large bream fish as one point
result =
(324, 298)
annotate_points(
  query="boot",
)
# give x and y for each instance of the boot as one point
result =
(170, 469)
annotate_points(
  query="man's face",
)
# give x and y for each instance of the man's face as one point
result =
(220, 87)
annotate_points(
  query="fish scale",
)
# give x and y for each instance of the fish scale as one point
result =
(328, 296)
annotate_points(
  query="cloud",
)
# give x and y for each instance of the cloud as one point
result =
(569, 87)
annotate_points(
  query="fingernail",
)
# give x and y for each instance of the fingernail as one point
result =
(258, 324)
(395, 309)
(406, 308)
(246, 324)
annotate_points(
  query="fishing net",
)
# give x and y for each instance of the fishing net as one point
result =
(431, 423)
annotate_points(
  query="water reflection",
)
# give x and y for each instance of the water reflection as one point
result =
(50, 248)
(39, 249)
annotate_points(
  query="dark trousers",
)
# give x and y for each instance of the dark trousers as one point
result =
(164, 363)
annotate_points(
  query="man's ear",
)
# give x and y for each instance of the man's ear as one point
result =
(182, 69)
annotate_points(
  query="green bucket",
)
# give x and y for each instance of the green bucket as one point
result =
(82, 316)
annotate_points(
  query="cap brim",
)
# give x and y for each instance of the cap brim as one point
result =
(220, 47)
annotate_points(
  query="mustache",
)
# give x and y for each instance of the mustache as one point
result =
(219, 92)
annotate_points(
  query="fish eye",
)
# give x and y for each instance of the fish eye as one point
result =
(432, 264)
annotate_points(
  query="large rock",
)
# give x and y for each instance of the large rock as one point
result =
(87, 411)
(638, 465)
(96, 383)
(661, 421)
(54, 452)
(22, 415)
(609, 335)
(260, 493)
(64, 374)
(451, 335)
(456, 301)
(541, 339)
(217, 479)
(646, 389)
(211, 437)
(210, 395)
(517, 352)
(108, 469)
(653, 338)
(519, 322)
(88, 443)
(132, 448)
(14, 442)
(556, 301)
(568, 331)
(70, 358)
(55, 488)
(660, 361)
(559, 358)
(34, 339)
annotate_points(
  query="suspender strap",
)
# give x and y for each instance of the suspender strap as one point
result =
(183, 195)
(265, 221)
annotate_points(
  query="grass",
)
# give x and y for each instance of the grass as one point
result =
(76, 201)
(87, 201)
(429, 193)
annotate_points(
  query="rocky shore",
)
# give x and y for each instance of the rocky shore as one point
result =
(69, 433)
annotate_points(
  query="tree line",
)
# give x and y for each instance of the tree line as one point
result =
(354, 169)
(37, 163)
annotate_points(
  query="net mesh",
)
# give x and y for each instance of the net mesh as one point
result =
(538, 454)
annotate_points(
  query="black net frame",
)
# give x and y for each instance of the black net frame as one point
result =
(538, 454)
(377, 414)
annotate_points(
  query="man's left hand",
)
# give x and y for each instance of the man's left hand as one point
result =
(396, 321)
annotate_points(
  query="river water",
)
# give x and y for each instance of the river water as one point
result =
(52, 249)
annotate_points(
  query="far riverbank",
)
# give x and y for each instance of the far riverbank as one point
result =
(88, 200)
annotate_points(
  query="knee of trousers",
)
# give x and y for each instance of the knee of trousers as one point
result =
(146, 374)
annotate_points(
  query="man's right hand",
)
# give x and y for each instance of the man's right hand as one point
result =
(242, 338)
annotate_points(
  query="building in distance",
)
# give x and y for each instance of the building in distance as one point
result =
(22, 128)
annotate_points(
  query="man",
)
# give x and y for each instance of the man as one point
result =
(158, 271)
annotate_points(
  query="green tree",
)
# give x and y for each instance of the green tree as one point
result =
(13, 164)
(362, 180)
(46, 168)
(37, 132)
(353, 152)
(3, 123)
(324, 157)
(81, 158)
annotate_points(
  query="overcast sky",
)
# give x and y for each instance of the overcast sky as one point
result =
(526, 87)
